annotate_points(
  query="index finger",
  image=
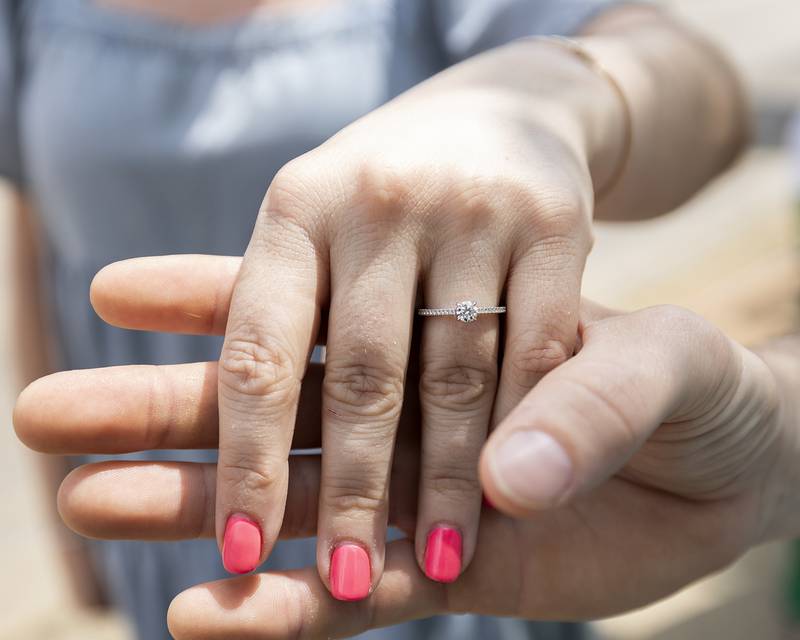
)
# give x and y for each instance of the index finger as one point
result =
(182, 293)
(139, 407)
(179, 293)
(273, 317)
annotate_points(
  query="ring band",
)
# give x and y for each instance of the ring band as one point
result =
(465, 311)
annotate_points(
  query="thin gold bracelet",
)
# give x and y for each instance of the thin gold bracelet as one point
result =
(583, 54)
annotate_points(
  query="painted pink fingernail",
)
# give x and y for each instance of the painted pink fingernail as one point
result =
(350, 573)
(443, 554)
(241, 545)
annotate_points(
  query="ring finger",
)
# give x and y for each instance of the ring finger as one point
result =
(457, 387)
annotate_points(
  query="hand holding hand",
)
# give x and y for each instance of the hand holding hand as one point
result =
(449, 193)
(666, 435)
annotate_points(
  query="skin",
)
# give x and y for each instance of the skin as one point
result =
(478, 184)
(682, 444)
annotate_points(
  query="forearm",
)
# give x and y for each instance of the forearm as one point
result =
(687, 113)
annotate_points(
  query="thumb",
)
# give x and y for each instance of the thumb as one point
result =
(585, 419)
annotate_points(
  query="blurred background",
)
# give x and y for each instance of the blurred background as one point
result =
(730, 255)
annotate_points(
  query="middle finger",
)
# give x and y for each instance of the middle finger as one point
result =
(373, 288)
(139, 407)
(457, 387)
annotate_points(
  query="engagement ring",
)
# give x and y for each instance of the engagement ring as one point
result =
(466, 311)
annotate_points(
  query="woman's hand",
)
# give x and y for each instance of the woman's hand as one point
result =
(451, 192)
(477, 184)
(668, 437)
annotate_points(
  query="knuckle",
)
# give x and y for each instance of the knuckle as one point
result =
(475, 198)
(357, 483)
(560, 214)
(254, 364)
(555, 227)
(287, 193)
(453, 482)
(530, 359)
(457, 386)
(385, 202)
(364, 390)
(245, 475)
(559, 255)
(294, 201)
(561, 207)
(364, 499)
(384, 190)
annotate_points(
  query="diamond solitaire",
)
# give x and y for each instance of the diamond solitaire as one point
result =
(466, 311)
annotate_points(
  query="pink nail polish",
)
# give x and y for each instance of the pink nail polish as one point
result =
(241, 546)
(350, 573)
(443, 554)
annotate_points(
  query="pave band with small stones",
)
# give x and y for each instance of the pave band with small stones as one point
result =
(466, 311)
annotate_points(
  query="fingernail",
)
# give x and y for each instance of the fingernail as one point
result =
(531, 469)
(443, 554)
(241, 545)
(350, 572)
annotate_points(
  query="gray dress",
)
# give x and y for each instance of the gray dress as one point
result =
(137, 137)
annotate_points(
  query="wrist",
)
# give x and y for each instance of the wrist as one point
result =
(601, 107)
